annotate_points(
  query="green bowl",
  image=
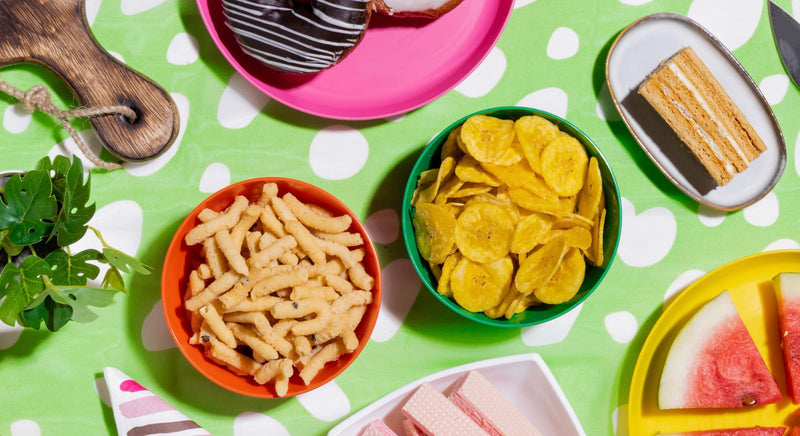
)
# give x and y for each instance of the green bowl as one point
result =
(430, 158)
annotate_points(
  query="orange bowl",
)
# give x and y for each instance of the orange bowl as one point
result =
(181, 259)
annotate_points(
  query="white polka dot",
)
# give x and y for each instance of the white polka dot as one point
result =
(783, 244)
(183, 49)
(133, 7)
(563, 43)
(155, 333)
(383, 226)
(763, 213)
(619, 418)
(338, 152)
(16, 119)
(92, 7)
(647, 237)
(69, 148)
(25, 427)
(605, 108)
(146, 168)
(774, 88)
(734, 23)
(240, 103)
(117, 56)
(101, 387)
(256, 424)
(551, 332)
(634, 2)
(9, 335)
(682, 282)
(521, 3)
(120, 224)
(621, 326)
(553, 100)
(488, 74)
(215, 177)
(327, 403)
(396, 118)
(710, 217)
(797, 155)
(401, 285)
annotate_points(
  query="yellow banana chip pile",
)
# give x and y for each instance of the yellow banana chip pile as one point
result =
(511, 216)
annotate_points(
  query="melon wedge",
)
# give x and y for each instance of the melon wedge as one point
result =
(714, 363)
(787, 292)
(755, 431)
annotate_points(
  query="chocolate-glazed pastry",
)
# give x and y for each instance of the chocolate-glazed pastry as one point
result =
(295, 37)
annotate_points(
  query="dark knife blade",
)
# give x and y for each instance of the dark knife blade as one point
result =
(786, 31)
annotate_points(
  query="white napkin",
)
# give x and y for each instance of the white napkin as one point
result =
(139, 412)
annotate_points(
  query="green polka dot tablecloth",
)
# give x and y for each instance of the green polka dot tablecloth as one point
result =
(551, 55)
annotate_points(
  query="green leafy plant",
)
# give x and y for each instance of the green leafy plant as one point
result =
(43, 212)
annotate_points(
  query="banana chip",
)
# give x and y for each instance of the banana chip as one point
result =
(589, 197)
(434, 229)
(478, 287)
(530, 232)
(537, 269)
(534, 132)
(470, 170)
(566, 281)
(564, 162)
(484, 232)
(443, 286)
(487, 139)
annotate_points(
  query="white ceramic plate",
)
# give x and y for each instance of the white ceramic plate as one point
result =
(636, 52)
(524, 379)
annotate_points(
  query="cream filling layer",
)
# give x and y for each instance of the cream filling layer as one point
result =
(414, 5)
(706, 107)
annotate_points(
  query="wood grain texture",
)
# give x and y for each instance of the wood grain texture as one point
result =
(55, 34)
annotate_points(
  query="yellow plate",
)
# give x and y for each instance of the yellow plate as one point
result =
(749, 282)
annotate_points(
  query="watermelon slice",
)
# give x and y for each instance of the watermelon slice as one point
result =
(787, 291)
(754, 431)
(715, 363)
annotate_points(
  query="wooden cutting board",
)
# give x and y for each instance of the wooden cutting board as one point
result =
(55, 34)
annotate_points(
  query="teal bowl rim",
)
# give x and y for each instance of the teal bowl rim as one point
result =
(430, 155)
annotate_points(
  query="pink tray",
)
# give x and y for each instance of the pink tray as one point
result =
(400, 65)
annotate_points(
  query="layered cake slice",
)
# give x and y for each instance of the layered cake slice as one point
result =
(694, 104)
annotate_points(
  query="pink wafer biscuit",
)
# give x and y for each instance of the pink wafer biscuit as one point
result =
(479, 400)
(377, 428)
(435, 415)
(410, 428)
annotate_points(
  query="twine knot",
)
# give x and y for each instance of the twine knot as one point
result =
(38, 96)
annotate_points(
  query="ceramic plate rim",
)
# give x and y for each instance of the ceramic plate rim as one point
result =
(351, 425)
(711, 199)
(387, 109)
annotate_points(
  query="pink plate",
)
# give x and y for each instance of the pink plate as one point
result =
(400, 65)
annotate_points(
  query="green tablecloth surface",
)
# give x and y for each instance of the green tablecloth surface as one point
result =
(551, 55)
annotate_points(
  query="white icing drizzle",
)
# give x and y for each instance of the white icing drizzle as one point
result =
(414, 5)
(297, 39)
(724, 131)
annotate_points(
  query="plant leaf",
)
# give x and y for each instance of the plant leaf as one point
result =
(72, 270)
(20, 286)
(54, 315)
(113, 280)
(73, 194)
(77, 298)
(29, 207)
(123, 262)
(11, 249)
